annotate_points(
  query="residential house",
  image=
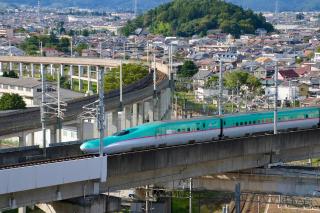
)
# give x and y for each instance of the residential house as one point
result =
(200, 78)
(51, 52)
(287, 74)
(303, 71)
(30, 89)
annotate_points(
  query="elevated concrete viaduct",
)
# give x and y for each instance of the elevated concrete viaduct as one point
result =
(139, 168)
(290, 181)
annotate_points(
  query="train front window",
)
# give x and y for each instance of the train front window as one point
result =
(121, 133)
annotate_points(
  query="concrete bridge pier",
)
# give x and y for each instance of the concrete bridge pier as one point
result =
(22, 210)
(80, 73)
(97, 204)
(71, 75)
(22, 140)
(112, 122)
(10, 66)
(53, 134)
(30, 139)
(61, 70)
(1, 66)
(126, 116)
(20, 70)
(51, 69)
(149, 110)
(32, 70)
(134, 114)
(80, 130)
(89, 79)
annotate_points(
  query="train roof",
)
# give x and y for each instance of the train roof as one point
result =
(242, 114)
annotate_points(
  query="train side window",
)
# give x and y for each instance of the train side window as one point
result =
(241, 123)
(204, 125)
(249, 122)
(307, 116)
(198, 128)
(254, 122)
(179, 130)
(258, 121)
(245, 123)
(224, 123)
(188, 129)
(237, 124)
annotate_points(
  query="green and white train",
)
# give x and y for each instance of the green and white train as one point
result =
(168, 133)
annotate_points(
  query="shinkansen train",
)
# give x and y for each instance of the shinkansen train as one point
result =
(168, 133)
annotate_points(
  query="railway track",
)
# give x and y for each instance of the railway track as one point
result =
(43, 161)
(24, 120)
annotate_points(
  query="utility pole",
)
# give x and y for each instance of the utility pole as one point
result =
(154, 86)
(190, 195)
(220, 90)
(238, 97)
(237, 198)
(100, 49)
(154, 74)
(38, 11)
(43, 102)
(290, 93)
(124, 51)
(41, 53)
(59, 116)
(10, 53)
(135, 8)
(121, 86)
(100, 114)
(71, 48)
(275, 113)
(148, 60)
(147, 199)
(232, 100)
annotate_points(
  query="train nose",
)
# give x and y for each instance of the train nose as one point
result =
(89, 148)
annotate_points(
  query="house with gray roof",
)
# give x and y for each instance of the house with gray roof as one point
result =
(30, 89)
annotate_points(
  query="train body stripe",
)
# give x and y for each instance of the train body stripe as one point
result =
(180, 133)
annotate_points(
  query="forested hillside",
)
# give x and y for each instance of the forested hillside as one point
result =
(188, 17)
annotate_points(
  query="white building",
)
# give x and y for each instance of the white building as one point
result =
(202, 94)
(316, 57)
(284, 92)
(30, 90)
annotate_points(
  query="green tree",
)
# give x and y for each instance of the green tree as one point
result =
(235, 79)
(188, 69)
(85, 33)
(64, 45)
(130, 74)
(10, 74)
(11, 101)
(80, 47)
(299, 60)
(212, 81)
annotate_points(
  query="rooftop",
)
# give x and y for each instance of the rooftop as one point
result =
(21, 82)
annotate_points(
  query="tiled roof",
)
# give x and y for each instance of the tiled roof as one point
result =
(288, 73)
